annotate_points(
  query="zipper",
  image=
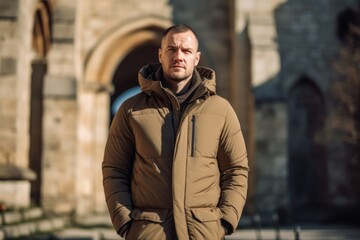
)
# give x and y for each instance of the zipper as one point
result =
(175, 127)
(193, 120)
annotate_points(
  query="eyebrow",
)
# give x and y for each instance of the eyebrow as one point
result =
(186, 48)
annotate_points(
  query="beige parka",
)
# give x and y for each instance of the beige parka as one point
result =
(175, 176)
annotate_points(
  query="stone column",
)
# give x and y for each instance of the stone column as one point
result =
(91, 137)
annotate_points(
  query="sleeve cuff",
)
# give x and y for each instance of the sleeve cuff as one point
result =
(124, 229)
(227, 226)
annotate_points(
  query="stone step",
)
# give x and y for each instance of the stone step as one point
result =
(11, 217)
(101, 220)
(33, 227)
(27, 222)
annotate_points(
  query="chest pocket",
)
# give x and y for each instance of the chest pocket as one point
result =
(204, 134)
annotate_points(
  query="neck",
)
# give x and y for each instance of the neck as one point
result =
(178, 87)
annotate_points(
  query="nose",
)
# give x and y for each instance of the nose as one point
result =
(178, 55)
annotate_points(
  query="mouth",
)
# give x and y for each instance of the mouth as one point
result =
(177, 66)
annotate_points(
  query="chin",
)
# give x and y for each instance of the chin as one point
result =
(179, 79)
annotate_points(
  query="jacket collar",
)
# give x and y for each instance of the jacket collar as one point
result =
(150, 78)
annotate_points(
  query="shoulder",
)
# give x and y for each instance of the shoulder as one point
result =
(219, 103)
(216, 99)
(216, 106)
(133, 101)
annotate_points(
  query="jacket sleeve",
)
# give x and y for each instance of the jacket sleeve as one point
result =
(233, 165)
(116, 169)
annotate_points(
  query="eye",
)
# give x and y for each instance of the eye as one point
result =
(173, 49)
(187, 51)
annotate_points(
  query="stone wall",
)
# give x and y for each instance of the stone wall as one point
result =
(307, 40)
(271, 157)
(309, 47)
(15, 194)
(215, 28)
(15, 190)
(106, 31)
(268, 123)
(60, 113)
(8, 62)
(96, 19)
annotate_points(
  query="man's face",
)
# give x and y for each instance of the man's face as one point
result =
(178, 55)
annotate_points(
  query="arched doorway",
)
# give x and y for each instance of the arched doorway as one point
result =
(307, 166)
(126, 74)
(41, 44)
(113, 61)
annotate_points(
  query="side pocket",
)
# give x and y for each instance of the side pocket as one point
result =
(207, 223)
(148, 224)
(157, 216)
(207, 214)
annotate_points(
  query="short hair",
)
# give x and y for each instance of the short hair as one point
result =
(179, 28)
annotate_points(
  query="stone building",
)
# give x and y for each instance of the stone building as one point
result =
(64, 64)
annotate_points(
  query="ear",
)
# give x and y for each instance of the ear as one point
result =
(197, 58)
(159, 54)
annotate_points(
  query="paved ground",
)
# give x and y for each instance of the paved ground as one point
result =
(100, 228)
(328, 233)
(308, 233)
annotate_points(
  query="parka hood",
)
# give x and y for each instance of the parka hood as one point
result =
(149, 77)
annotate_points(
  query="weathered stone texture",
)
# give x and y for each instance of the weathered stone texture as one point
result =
(100, 17)
(215, 31)
(63, 28)
(59, 154)
(25, 55)
(311, 30)
(9, 8)
(61, 60)
(7, 88)
(59, 117)
(309, 45)
(259, 16)
(15, 193)
(271, 156)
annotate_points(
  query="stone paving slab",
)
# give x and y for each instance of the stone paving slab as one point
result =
(328, 233)
(87, 234)
(24, 229)
(100, 227)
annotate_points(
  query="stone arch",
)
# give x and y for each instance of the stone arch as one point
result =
(307, 165)
(42, 28)
(125, 79)
(99, 68)
(93, 99)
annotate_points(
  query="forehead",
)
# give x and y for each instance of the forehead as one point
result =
(181, 38)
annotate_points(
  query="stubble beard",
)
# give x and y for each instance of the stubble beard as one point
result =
(176, 77)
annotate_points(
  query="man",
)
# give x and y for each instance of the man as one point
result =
(175, 163)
